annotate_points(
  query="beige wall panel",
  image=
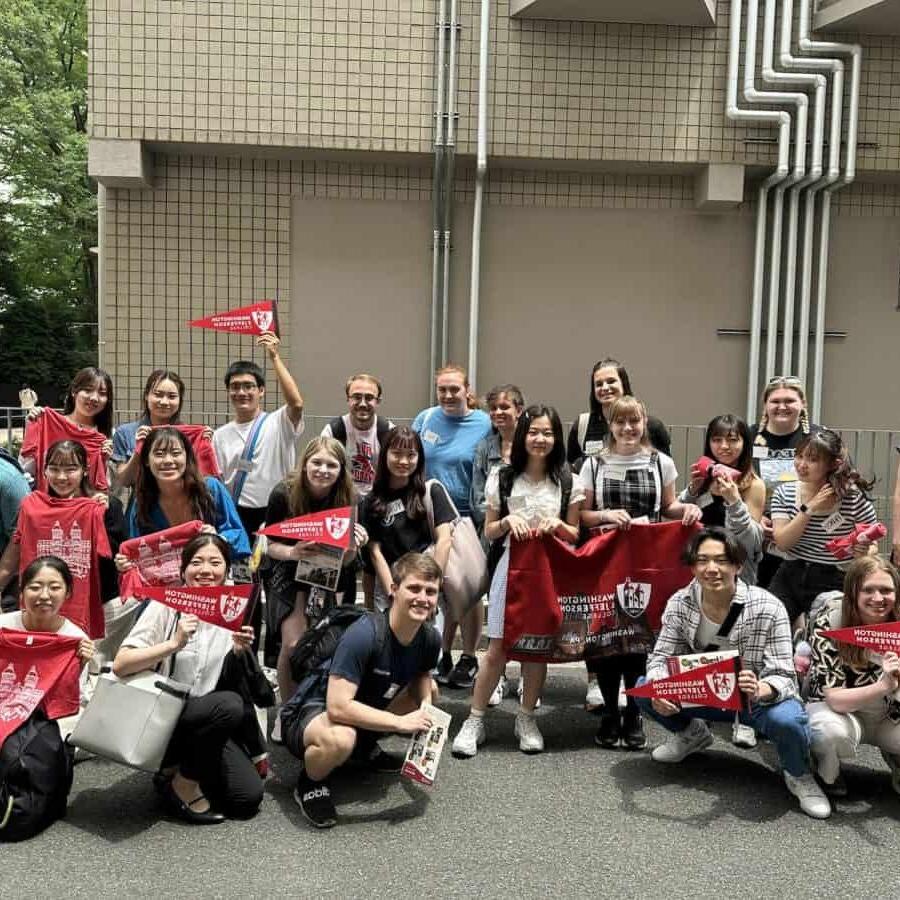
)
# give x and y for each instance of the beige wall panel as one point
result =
(361, 277)
(861, 372)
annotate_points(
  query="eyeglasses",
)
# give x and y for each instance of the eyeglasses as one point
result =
(363, 398)
(237, 386)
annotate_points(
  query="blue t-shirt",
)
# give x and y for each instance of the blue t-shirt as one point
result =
(125, 439)
(396, 667)
(450, 443)
(227, 522)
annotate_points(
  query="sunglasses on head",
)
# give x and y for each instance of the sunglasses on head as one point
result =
(791, 380)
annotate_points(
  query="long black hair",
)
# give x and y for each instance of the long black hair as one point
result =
(401, 437)
(730, 424)
(84, 380)
(556, 460)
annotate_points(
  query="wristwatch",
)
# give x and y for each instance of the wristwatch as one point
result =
(803, 508)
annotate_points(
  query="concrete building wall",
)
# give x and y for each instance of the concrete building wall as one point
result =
(359, 76)
(576, 266)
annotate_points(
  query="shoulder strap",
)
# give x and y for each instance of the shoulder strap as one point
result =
(429, 505)
(655, 461)
(382, 427)
(505, 479)
(241, 476)
(380, 621)
(565, 485)
(736, 608)
(338, 429)
(583, 422)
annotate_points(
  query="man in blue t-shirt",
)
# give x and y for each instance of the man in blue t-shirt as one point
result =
(375, 683)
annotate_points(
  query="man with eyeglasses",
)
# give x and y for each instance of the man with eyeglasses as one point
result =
(256, 449)
(718, 612)
(362, 432)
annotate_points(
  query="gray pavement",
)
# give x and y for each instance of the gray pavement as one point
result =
(576, 820)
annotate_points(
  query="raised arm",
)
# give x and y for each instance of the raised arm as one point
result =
(293, 399)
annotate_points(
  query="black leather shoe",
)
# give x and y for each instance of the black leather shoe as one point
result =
(633, 736)
(183, 810)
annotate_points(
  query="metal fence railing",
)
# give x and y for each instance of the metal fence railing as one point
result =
(874, 451)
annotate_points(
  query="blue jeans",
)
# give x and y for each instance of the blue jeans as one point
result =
(784, 723)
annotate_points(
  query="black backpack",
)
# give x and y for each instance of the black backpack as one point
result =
(339, 430)
(317, 645)
(35, 778)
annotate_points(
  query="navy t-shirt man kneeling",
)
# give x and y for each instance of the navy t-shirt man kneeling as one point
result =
(372, 686)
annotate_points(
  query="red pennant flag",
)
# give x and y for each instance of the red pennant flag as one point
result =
(254, 319)
(224, 605)
(715, 685)
(157, 558)
(880, 638)
(603, 598)
(332, 527)
(200, 444)
(35, 667)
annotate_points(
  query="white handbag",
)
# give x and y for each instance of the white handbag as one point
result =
(131, 720)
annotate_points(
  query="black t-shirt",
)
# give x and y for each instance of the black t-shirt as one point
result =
(395, 532)
(598, 429)
(773, 455)
(381, 679)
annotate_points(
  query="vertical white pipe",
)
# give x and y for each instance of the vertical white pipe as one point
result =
(480, 175)
(757, 116)
(437, 189)
(101, 277)
(449, 178)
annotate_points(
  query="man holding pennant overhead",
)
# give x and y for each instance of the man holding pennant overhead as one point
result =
(854, 677)
(718, 612)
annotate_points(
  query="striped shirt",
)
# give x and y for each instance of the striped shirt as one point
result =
(821, 527)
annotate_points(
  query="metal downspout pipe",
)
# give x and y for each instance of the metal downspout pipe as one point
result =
(801, 101)
(449, 168)
(806, 79)
(756, 116)
(480, 177)
(101, 275)
(437, 205)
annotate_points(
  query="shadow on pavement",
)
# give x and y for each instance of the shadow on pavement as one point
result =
(119, 812)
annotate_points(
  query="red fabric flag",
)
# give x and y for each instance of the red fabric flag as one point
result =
(48, 428)
(253, 319)
(882, 638)
(331, 526)
(842, 547)
(157, 557)
(200, 444)
(715, 685)
(224, 605)
(36, 667)
(74, 531)
(604, 598)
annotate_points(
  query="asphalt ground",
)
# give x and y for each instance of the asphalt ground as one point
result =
(575, 820)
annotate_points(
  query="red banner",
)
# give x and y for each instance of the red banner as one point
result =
(34, 667)
(602, 599)
(200, 444)
(254, 319)
(331, 526)
(882, 638)
(157, 558)
(715, 685)
(224, 605)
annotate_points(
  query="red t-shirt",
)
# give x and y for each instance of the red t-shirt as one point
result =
(200, 444)
(157, 557)
(50, 427)
(74, 531)
(35, 668)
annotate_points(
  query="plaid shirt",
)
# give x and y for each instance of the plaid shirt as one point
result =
(761, 635)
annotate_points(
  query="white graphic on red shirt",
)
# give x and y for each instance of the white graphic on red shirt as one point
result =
(18, 699)
(160, 566)
(72, 548)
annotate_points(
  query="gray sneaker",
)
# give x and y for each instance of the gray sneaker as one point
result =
(681, 744)
(812, 801)
(743, 736)
(466, 743)
(530, 738)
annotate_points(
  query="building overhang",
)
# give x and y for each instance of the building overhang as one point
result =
(651, 12)
(865, 16)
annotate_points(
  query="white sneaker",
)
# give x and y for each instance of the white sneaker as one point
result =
(812, 800)
(530, 738)
(520, 692)
(593, 700)
(743, 736)
(499, 692)
(275, 736)
(695, 737)
(470, 736)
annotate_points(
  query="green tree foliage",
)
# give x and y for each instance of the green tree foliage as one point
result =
(47, 204)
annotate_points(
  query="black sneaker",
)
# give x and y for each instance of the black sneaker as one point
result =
(610, 730)
(444, 667)
(837, 790)
(633, 736)
(314, 800)
(464, 672)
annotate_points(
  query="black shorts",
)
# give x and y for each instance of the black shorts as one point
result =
(292, 730)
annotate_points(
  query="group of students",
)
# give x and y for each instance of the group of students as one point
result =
(759, 564)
